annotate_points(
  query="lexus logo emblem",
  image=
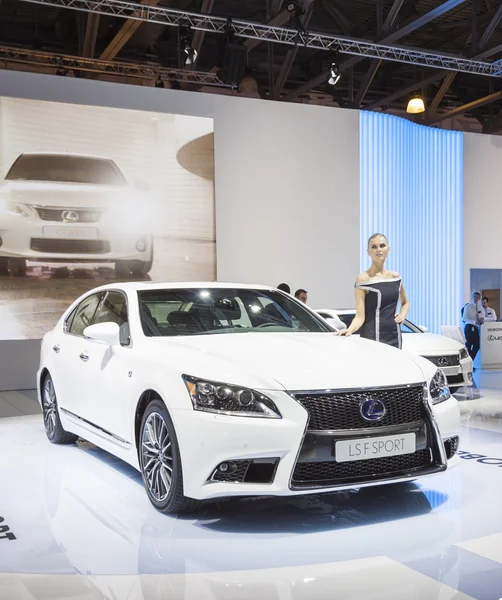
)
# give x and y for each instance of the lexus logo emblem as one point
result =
(442, 361)
(372, 409)
(70, 216)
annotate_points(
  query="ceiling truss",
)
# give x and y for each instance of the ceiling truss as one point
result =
(282, 35)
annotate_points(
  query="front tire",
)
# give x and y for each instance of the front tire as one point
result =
(160, 461)
(52, 423)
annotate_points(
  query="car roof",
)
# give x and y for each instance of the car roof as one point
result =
(132, 286)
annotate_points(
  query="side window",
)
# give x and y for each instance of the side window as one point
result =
(114, 310)
(84, 314)
(69, 320)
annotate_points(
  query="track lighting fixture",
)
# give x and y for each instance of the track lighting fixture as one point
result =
(188, 52)
(334, 73)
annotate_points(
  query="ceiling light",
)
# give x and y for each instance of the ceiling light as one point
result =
(190, 54)
(415, 105)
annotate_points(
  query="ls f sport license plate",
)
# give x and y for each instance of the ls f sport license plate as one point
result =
(374, 447)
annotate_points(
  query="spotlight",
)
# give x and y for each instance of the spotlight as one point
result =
(159, 83)
(415, 105)
(335, 73)
(295, 9)
(61, 72)
(188, 51)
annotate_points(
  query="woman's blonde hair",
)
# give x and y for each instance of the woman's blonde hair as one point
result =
(376, 235)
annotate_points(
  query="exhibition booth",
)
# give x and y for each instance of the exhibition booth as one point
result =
(219, 188)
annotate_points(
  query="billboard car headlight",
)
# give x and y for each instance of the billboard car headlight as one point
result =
(218, 397)
(463, 353)
(20, 209)
(438, 388)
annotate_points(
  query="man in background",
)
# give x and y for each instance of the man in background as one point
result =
(284, 287)
(472, 317)
(489, 313)
(301, 295)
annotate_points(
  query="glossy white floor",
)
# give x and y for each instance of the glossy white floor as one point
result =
(84, 528)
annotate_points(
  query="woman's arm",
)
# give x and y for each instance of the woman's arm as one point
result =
(405, 306)
(358, 320)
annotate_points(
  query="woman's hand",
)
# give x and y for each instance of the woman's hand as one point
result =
(399, 319)
(345, 332)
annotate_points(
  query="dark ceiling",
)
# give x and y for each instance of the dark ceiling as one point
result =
(462, 30)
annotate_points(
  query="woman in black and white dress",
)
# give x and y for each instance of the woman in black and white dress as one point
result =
(378, 292)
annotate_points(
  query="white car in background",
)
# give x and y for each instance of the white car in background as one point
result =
(447, 354)
(214, 390)
(62, 208)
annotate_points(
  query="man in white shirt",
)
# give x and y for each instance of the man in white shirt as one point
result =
(489, 313)
(472, 318)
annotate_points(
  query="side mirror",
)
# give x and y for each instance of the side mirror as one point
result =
(423, 328)
(337, 324)
(106, 333)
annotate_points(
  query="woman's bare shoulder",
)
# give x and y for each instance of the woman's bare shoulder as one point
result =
(363, 277)
(394, 274)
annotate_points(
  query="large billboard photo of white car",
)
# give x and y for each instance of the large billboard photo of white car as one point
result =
(89, 195)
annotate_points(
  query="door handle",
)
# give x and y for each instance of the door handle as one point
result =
(56, 348)
(84, 357)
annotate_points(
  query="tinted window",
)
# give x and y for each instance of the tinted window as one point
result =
(84, 314)
(113, 309)
(409, 327)
(72, 169)
(347, 319)
(218, 310)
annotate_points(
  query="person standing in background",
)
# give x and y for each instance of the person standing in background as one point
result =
(489, 313)
(284, 287)
(472, 318)
(301, 295)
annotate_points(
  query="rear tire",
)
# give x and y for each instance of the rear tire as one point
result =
(4, 266)
(17, 267)
(160, 462)
(52, 423)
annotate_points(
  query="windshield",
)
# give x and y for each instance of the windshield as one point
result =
(71, 169)
(216, 310)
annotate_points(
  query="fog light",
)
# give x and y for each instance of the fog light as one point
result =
(141, 245)
(470, 376)
(1, 241)
(227, 467)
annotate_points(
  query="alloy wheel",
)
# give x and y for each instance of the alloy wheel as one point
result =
(157, 457)
(49, 407)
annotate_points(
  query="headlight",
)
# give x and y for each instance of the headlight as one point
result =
(19, 209)
(438, 388)
(217, 397)
(463, 353)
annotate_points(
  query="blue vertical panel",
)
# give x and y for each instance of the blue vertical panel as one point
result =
(411, 186)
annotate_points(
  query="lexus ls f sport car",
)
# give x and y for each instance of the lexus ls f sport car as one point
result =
(61, 208)
(214, 390)
(447, 354)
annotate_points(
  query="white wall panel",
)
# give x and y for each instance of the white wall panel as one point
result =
(287, 197)
(483, 206)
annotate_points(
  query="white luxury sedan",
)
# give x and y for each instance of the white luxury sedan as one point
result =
(447, 354)
(213, 390)
(61, 208)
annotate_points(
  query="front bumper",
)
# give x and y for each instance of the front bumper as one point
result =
(206, 440)
(460, 375)
(35, 240)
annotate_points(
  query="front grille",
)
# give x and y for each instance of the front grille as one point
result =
(451, 446)
(52, 246)
(359, 471)
(341, 410)
(57, 215)
(448, 360)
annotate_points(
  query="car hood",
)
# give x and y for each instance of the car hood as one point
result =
(430, 344)
(65, 195)
(294, 361)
